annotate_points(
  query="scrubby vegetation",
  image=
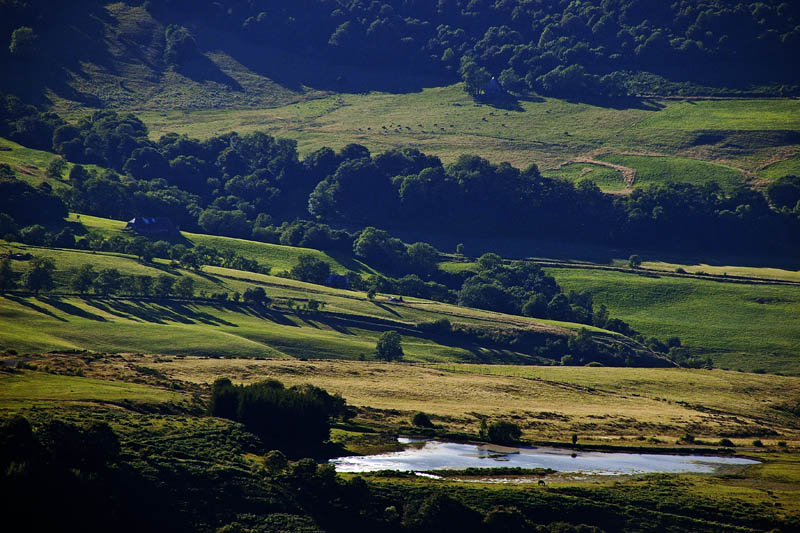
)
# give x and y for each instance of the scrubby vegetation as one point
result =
(592, 49)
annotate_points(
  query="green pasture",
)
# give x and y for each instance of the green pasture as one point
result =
(350, 331)
(712, 388)
(727, 115)
(29, 165)
(68, 261)
(787, 167)
(31, 324)
(446, 122)
(742, 326)
(722, 270)
(37, 389)
(663, 169)
(608, 179)
(278, 257)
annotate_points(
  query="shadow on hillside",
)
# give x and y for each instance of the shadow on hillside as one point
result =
(386, 308)
(70, 309)
(30, 305)
(201, 69)
(507, 102)
(297, 71)
(619, 103)
(76, 39)
(264, 313)
(157, 312)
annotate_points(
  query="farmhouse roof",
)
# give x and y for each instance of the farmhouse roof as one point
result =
(150, 225)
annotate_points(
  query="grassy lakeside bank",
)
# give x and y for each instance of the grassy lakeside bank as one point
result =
(203, 449)
(600, 404)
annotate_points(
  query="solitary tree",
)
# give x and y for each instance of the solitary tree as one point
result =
(164, 285)
(423, 257)
(144, 285)
(108, 281)
(504, 432)
(255, 295)
(56, 168)
(311, 269)
(634, 261)
(8, 279)
(142, 248)
(184, 288)
(475, 77)
(83, 279)
(40, 276)
(389, 347)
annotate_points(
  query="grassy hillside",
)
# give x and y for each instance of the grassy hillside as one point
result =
(348, 327)
(446, 122)
(31, 390)
(280, 258)
(741, 326)
(726, 115)
(132, 72)
(787, 167)
(551, 403)
(608, 179)
(29, 165)
(654, 170)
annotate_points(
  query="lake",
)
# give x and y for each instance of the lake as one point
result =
(424, 455)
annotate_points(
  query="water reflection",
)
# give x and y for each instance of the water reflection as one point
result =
(435, 455)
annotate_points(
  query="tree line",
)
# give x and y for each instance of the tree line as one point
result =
(295, 420)
(256, 186)
(563, 48)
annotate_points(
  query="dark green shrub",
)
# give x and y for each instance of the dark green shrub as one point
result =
(504, 432)
(422, 420)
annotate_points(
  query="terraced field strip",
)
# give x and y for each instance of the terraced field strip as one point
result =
(628, 174)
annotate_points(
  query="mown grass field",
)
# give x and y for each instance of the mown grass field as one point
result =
(662, 170)
(787, 167)
(721, 270)
(608, 179)
(34, 325)
(741, 326)
(727, 115)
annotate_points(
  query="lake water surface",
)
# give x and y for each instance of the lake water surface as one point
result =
(435, 455)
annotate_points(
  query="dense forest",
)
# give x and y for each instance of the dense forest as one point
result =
(248, 185)
(564, 48)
